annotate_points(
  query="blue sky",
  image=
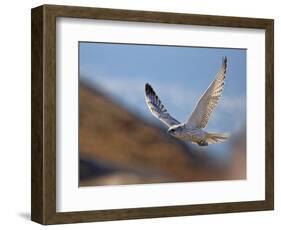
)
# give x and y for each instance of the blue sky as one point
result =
(179, 75)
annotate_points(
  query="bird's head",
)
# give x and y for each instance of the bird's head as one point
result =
(173, 131)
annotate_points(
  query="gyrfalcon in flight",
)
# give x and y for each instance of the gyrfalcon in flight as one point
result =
(192, 130)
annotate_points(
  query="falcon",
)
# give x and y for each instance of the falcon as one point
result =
(192, 129)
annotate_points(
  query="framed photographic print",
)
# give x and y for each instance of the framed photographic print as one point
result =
(141, 114)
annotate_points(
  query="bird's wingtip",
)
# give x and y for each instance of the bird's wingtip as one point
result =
(224, 60)
(148, 87)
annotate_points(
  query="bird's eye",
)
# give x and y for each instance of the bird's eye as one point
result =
(172, 130)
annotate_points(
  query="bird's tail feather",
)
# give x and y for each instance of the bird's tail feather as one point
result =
(213, 138)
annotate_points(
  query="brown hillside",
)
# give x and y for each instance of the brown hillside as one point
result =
(116, 147)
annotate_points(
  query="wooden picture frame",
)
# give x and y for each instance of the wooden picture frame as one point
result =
(43, 202)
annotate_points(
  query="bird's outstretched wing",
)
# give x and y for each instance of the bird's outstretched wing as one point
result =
(157, 108)
(206, 104)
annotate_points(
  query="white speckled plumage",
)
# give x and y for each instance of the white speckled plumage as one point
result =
(192, 130)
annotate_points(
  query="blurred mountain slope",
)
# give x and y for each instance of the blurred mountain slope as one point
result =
(117, 147)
